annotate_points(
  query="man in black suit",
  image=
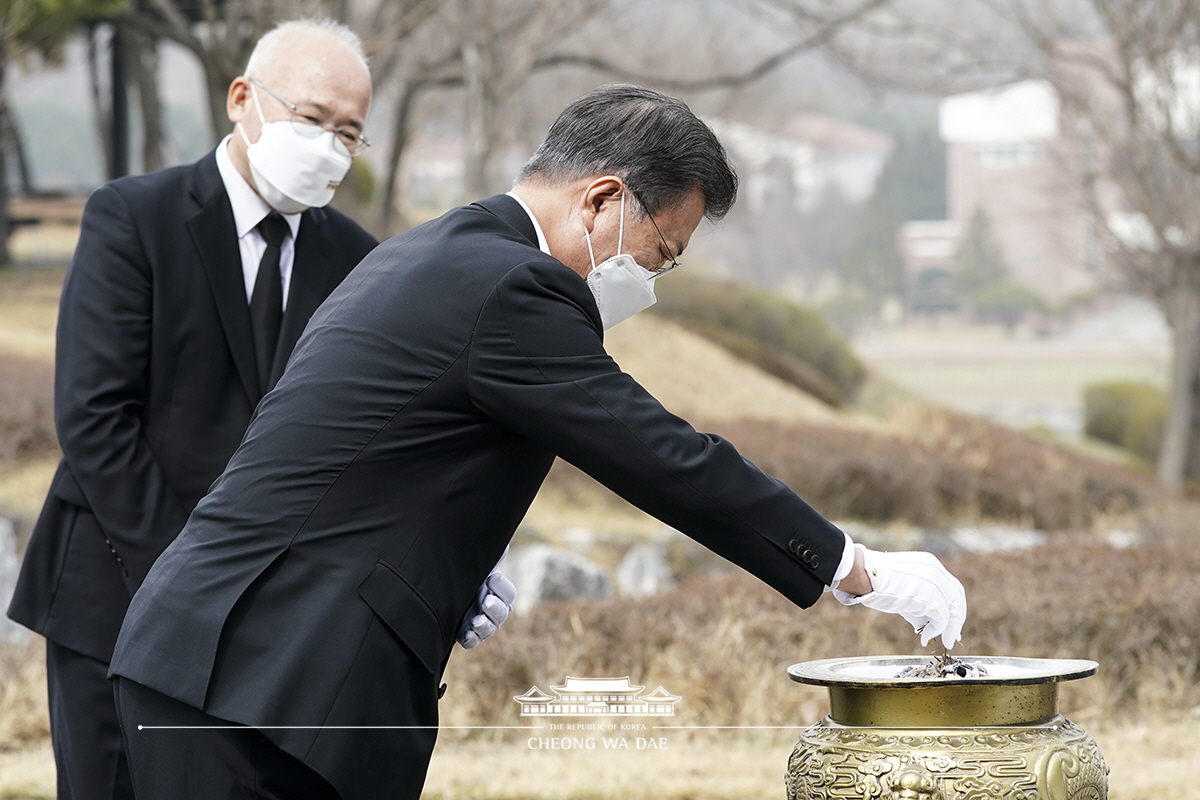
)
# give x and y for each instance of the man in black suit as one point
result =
(187, 293)
(313, 595)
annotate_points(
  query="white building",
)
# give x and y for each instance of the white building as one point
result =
(810, 152)
(1007, 157)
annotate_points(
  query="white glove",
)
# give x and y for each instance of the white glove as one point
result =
(492, 604)
(917, 587)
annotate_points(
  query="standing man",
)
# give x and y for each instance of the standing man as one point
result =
(188, 289)
(298, 627)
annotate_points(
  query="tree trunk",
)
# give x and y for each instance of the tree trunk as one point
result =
(1182, 308)
(1191, 471)
(401, 134)
(24, 172)
(218, 89)
(475, 158)
(5, 220)
(142, 53)
(119, 107)
(13, 140)
(100, 108)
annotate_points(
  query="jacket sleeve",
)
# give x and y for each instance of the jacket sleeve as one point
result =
(101, 379)
(538, 366)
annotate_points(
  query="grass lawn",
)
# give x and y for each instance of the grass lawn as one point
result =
(1021, 382)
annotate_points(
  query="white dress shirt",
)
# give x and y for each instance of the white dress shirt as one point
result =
(248, 210)
(846, 563)
(542, 245)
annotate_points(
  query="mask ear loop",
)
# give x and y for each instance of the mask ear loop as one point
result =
(621, 229)
(587, 237)
(257, 107)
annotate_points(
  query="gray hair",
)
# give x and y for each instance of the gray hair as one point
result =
(650, 140)
(268, 46)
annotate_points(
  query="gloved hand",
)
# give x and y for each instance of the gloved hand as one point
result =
(492, 604)
(917, 587)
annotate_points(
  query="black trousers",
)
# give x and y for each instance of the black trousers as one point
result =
(200, 757)
(88, 752)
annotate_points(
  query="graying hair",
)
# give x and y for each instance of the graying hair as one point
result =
(264, 52)
(650, 140)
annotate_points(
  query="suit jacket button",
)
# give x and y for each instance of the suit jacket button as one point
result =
(794, 546)
(816, 561)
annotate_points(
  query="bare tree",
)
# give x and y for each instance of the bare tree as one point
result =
(32, 29)
(489, 49)
(141, 55)
(1127, 76)
(1127, 73)
(222, 34)
(486, 48)
(501, 44)
(809, 24)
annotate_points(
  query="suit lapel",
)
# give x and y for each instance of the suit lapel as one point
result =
(310, 273)
(215, 239)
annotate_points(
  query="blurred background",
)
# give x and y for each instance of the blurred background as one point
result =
(956, 307)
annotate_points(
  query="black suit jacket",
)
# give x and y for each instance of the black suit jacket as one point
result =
(321, 581)
(155, 383)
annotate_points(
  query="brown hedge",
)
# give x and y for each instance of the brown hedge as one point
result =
(723, 644)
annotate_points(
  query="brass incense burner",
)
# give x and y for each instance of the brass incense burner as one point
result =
(997, 735)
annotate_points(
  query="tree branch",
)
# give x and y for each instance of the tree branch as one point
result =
(823, 35)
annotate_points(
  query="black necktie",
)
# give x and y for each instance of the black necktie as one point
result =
(266, 304)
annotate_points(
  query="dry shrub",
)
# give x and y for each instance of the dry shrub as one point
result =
(1134, 610)
(26, 409)
(937, 469)
(723, 644)
(940, 469)
(1170, 520)
(24, 716)
(787, 340)
(1128, 414)
(773, 361)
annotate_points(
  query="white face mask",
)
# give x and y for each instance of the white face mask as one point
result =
(621, 287)
(293, 172)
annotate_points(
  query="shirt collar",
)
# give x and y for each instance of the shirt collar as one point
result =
(542, 245)
(248, 208)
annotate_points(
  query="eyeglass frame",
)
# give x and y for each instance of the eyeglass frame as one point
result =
(670, 253)
(361, 142)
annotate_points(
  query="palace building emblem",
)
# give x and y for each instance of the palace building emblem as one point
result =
(602, 697)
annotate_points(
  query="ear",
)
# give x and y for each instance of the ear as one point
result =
(601, 192)
(238, 100)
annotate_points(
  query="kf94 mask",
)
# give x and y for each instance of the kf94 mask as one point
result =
(621, 287)
(293, 172)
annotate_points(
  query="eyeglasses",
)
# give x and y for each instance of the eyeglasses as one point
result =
(310, 126)
(660, 270)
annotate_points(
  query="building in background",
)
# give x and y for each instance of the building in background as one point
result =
(1009, 161)
(803, 157)
(804, 180)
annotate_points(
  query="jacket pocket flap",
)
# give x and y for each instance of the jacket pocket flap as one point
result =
(406, 613)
